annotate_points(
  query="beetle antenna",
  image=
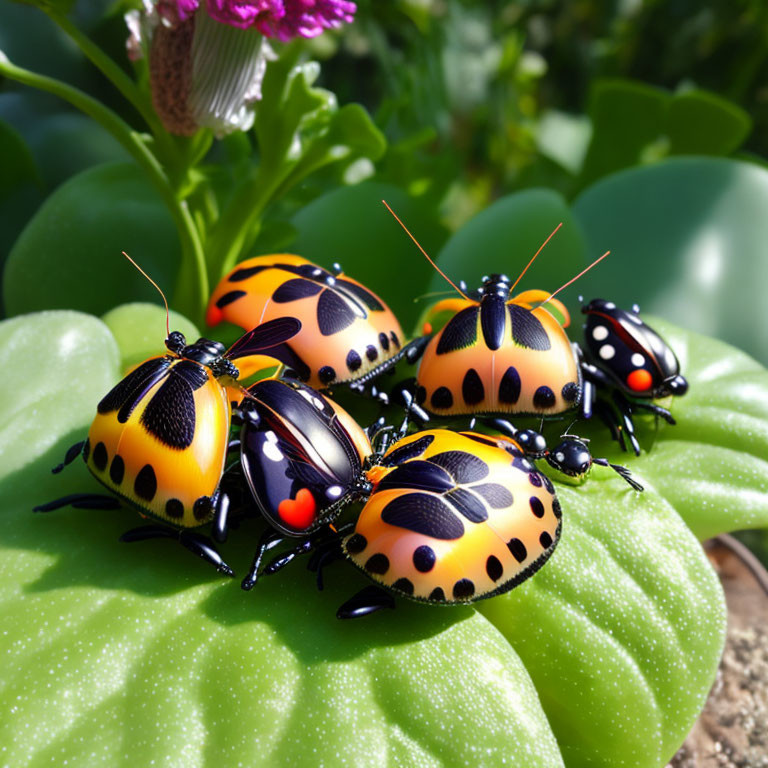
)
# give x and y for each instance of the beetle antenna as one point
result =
(535, 255)
(397, 218)
(573, 280)
(431, 295)
(167, 311)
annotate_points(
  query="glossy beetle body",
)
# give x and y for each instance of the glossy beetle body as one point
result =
(500, 356)
(302, 455)
(159, 439)
(637, 359)
(627, 366)
(348, 333)
(454, 517)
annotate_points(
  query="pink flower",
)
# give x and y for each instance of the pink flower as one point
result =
(283, 19)
(306, 18)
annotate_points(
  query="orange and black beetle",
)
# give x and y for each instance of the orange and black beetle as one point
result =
(160, 437)
(449, 517)
(348, 336)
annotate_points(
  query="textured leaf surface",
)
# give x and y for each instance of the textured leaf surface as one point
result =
(121, 653)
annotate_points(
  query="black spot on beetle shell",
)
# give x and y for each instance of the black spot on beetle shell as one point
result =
(202, 509)
(472, 389)
(409, 451)
(384, 341)
(395, 340)
(404, 585)
(570, 392)
(536, 506)
(494, 568)
(534, 478)
(356, 543)
(145, 485)
(424, 558)
(437, 595)
(100, 457)
(326, 374)
(442, 398)
(371, 352)
(174, 508)
(228, 298)
(117, 470)
(354, 361)
(518, 550)
(543, 397)
(545, 540)
(377, 563)
(463, 589)
(509, 387)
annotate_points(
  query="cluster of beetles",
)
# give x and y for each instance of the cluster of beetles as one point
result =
(448, 517)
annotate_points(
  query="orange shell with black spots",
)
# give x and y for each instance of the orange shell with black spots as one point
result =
(347, 332)
(460, 374)
(167, 451)
(455, 517)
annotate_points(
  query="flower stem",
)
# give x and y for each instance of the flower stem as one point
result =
(191, 295)
(112, 71)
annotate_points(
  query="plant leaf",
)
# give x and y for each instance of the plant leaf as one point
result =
(79, 232)
(604, 658)
(686, 239)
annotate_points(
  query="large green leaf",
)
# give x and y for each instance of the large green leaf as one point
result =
(140, 653)
(79, 232)
(687, 240)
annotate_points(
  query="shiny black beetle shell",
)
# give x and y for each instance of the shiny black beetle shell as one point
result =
(293, 441)
(620, 343)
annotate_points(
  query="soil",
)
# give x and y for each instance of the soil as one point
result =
(732, 731)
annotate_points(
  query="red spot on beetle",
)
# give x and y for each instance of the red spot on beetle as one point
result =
(640, 380)
(298, 513)
(214, 315)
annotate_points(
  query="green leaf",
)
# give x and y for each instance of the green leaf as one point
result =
(702, 123)
(634, 123)
(504, 237)
(16, 160)
(140, 332)
(627, 117)
(687, 241)
(68, 256)
(713, 465)
(140, 652)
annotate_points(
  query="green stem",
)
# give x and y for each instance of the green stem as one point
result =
(110, 69)
(191, 294)
(230, 233)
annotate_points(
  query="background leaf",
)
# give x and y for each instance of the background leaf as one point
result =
(79, 232)
(686, 239)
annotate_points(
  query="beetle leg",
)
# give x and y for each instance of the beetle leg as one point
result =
(279, 562)
(625, 411)
(72, 453)
(588, 395)
(366, 601)
(657, 410)
(220, 513)
(623, 472)
(81, 501)
(270, 538)
(413, 350)
(607, 414)
(199, 545)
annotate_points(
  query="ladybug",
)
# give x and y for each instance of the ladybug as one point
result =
(454, 517)
(303, 458)
(159, 439)
(628, 359)
(349, 335)
(500, 356)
